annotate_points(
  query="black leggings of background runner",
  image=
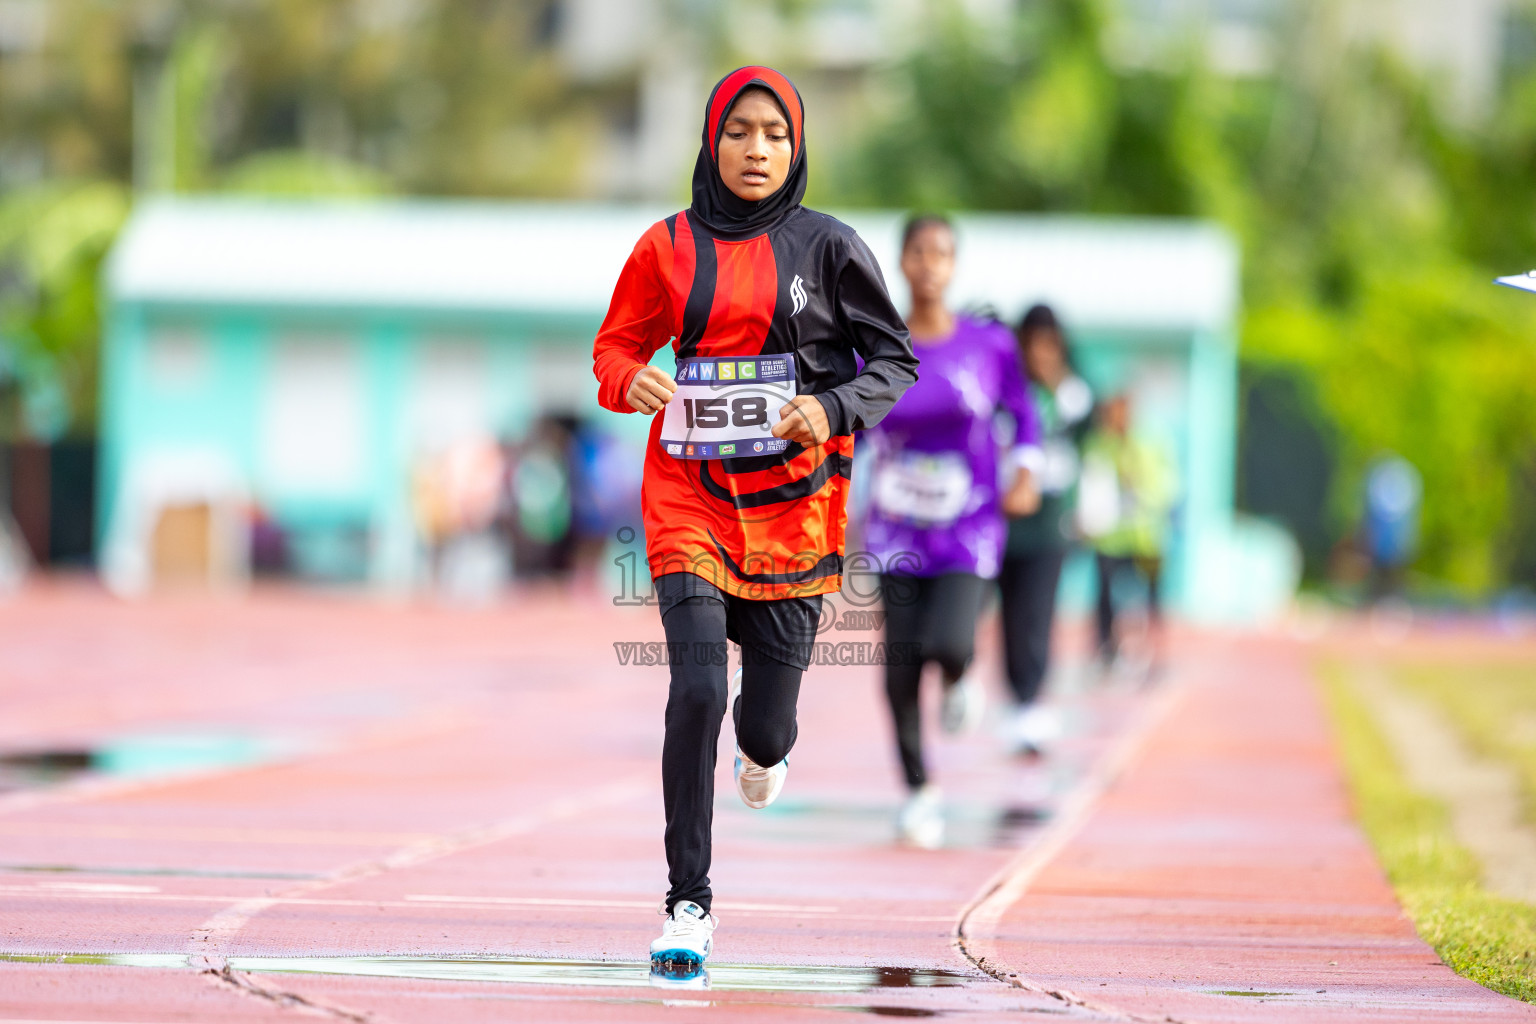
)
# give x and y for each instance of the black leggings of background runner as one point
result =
(938, 614)
(1111, 566)
(765, 714)
(1028, 585)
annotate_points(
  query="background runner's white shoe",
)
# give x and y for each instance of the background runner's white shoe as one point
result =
(757, 785)
(921, 821)
(1033, 728)
(964, 704)
(687, 936)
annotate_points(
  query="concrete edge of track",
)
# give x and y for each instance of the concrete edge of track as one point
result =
(976, 924)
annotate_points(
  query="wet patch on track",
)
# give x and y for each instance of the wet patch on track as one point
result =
(969, 825)
(530, 971)
(164, 961)
(34, 768)
(141, 755)
(533, 971)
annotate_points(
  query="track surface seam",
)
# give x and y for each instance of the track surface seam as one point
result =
(977, 920)
(217, 932)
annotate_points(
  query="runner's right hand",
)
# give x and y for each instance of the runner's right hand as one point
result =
(650, 390)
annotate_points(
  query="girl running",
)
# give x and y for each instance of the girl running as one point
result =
(936, 524)
(767, 304)
(1037, 543)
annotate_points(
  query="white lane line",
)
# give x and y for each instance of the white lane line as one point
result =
(199, 834)
(213, 935)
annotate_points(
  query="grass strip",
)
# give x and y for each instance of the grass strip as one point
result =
(1493, 705)
(1487, 938)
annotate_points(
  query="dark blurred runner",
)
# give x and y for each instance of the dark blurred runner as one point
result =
(540, 503)
(1126, 493)
(1038, 543)
(936, 523)
(605, 493)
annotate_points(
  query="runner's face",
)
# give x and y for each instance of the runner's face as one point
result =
(928, 262)
(1117, 415)
(1042, 356)
(755, 151)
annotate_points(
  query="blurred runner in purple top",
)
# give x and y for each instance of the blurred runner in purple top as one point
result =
(940, 486)
(935, 505)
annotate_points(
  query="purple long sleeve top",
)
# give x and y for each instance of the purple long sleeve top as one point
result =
(936, 479)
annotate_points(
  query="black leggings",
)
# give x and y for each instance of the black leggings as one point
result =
(938, 614)
(765, 731)
(1111, 566)
(1028, 585)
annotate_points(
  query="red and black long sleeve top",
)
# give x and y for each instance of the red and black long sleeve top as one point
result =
(770, 526)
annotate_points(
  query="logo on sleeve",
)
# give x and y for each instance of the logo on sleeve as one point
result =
(797, 294)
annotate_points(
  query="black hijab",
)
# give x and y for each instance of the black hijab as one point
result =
(719, 210)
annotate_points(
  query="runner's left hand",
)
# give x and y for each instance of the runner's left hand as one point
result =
(1023, 498)
(804, 420)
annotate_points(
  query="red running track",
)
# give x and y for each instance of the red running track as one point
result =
(459, 819)
(1222, 878)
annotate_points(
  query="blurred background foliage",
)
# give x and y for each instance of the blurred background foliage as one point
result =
(1370, 219)
(1370, 224)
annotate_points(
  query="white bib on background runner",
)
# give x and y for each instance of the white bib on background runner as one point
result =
(927, 488)
(726, 408)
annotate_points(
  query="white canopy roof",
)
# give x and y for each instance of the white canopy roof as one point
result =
(564, 258)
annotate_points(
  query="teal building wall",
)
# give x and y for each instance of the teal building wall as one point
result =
(318, 361)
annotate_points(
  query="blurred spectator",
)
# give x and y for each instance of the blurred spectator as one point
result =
(537, 508)
(455, 495)
(1126, 492)
(14, 560)
(605, 492)
(269, 544)
(1393, 492)
(1037, 544)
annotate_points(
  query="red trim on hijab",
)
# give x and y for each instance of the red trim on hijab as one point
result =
(732, 87)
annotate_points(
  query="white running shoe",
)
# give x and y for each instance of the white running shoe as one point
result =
(921, 821)
(964, 704)
(1033, 728)
(757, 785)
(687, 936)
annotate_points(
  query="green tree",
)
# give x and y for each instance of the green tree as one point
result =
(1370, 225)
(53, 238)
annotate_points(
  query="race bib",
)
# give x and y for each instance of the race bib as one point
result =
(930, 489)
(726, 408)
